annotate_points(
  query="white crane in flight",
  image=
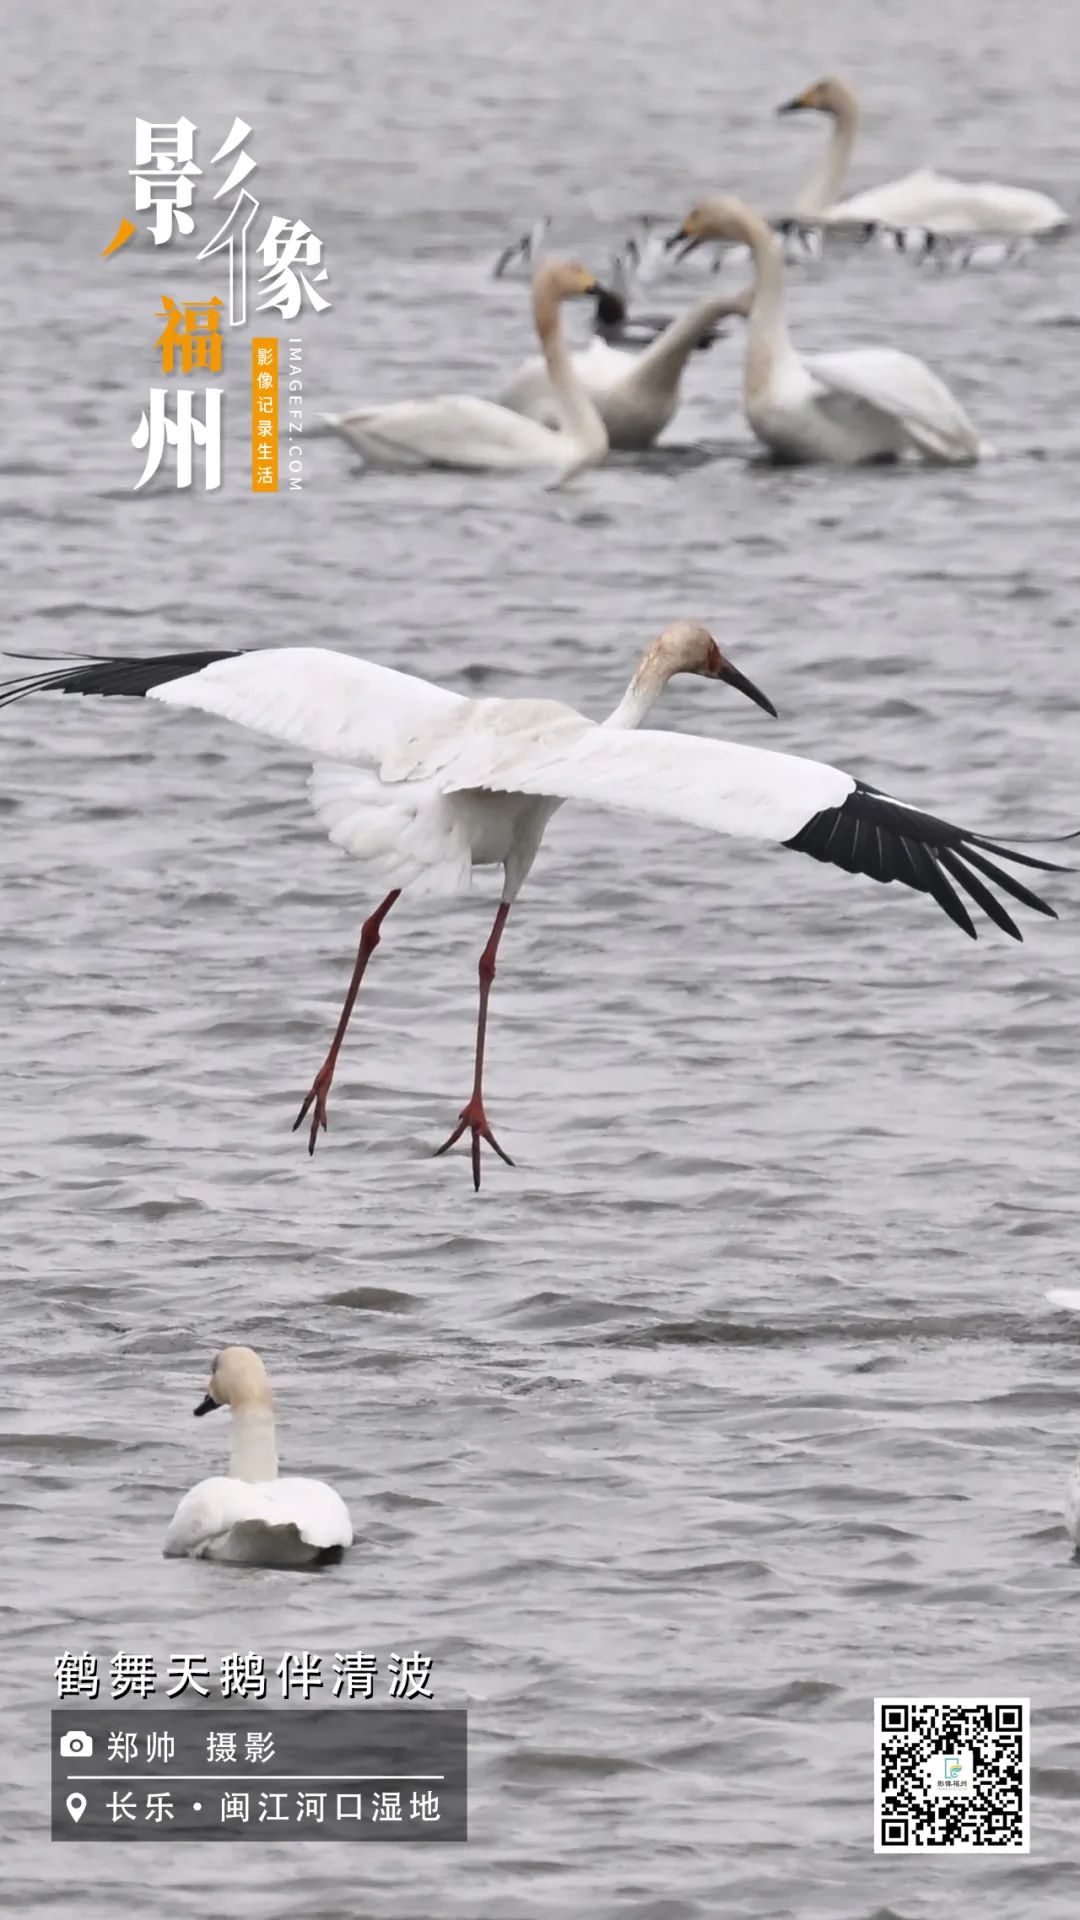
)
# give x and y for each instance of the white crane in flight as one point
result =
(424, 785)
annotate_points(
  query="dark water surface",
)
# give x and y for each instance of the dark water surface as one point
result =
(738, 1400)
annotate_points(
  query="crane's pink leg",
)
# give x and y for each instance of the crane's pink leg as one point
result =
(320, 1086)
(473, 1115)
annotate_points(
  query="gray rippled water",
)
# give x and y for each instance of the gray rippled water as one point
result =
(737, 1401)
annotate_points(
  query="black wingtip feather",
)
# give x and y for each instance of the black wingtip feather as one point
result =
(1009, 883)
(880, 837)
(109, 678)
(1021, 859)
(981, 895)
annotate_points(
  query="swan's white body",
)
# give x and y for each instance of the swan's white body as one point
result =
(460, 431)
(280, 1523)
(636, 394)
(250, 1517)
(456, 430)
(943, 205)
(599, 366)
(923, 198)
(868, 403)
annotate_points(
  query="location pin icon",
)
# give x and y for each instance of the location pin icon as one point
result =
(76, 1805)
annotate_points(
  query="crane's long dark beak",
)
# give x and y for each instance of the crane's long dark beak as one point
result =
(793, 106)
(741, 684)
(206, 1405)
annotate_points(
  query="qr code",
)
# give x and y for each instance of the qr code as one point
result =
(951, 1774)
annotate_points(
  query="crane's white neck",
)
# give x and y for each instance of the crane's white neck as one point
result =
(650, 678)
(253, 1454)
(578, 415)
(822, 189)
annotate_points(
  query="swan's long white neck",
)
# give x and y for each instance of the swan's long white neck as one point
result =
(662, 363)
(253, 1454)
(767, 338)
(578, 415)
(822, 189)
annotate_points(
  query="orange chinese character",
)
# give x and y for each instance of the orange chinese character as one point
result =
(195, 330)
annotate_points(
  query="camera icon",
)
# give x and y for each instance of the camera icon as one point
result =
(76, 1745)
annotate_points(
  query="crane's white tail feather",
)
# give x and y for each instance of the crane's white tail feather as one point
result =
(411, 836)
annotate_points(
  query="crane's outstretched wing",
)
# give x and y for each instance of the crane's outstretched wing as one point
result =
(755, 794)
(311, 697)
(908, 391)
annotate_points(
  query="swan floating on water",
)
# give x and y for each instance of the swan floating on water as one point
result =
(457, 430)
(249, 1517)
(920, 199)
(868, 403)
(636, 393)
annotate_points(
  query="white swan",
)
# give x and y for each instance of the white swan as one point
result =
(868, 403)
(459, 431)
(636, 394)
(250, 1517)
(921, 199)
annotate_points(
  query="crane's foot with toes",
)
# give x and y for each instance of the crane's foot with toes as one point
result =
(475, 1119)
(320, 1087)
